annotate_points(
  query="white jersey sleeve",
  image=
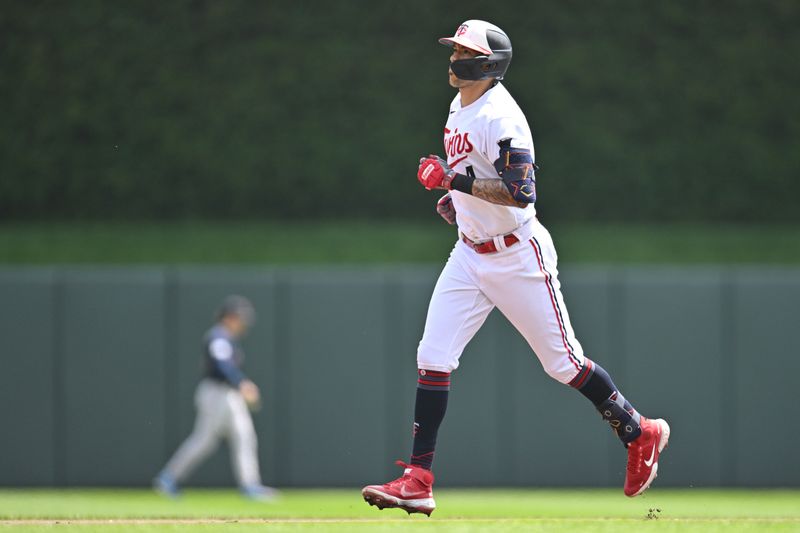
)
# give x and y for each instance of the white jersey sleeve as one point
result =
(471, 139)
(507, 128)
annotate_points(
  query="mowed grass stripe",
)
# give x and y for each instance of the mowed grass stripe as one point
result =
(211, 521)
(453, 504)
(448, 525)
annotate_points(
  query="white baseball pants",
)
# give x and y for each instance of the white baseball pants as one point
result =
(221, 413)
(522, 282)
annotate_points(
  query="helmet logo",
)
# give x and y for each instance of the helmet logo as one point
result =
(461, 30)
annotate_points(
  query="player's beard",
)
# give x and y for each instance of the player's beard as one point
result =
(458, 83)
(455, 81)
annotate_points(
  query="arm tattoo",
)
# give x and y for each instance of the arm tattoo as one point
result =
(494, 191)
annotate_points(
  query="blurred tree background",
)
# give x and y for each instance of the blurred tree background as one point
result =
(642, 112)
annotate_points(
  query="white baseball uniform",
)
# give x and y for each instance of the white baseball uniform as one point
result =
(521, 280)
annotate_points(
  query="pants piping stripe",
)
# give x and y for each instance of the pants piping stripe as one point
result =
(556, 308)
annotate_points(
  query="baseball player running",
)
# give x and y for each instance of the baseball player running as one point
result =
(223, 400)
(503, 258)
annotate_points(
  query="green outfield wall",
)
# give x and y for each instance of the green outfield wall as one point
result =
(192, 109)
(100, 364)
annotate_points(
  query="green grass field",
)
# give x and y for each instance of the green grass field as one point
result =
(377, 242)
(458, 510)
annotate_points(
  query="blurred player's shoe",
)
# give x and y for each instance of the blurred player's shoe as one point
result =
(643, 455)
(165, 484)
(411, 492)
(260, 493)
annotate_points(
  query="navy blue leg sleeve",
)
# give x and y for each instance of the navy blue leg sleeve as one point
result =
(433, 389)
(595, 383)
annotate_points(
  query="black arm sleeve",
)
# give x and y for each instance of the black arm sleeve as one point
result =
(516, 168)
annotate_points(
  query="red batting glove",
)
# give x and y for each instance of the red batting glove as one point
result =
(434, 173)
(446, 209)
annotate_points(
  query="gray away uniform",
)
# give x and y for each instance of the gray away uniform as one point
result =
(221, 413)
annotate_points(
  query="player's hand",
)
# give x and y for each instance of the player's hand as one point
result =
(446, 208)
(251, 394)
(434, 173)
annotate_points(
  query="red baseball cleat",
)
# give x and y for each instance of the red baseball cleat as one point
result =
(643, 455)
(411, 492)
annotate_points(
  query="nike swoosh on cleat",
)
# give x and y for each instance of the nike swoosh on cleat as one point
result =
(649, 462)
(404, 493)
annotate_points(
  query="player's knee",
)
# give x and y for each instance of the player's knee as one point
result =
(431, 356)
(244, 431)
(559, 371)
(430, 359)
(204, 444)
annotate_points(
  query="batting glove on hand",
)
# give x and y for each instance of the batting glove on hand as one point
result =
(434, 173)
(446, 209)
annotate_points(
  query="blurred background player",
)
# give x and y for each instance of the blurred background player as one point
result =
(223, 399)
(504, 258)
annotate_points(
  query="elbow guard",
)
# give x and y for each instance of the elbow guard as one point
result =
(516, 168)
